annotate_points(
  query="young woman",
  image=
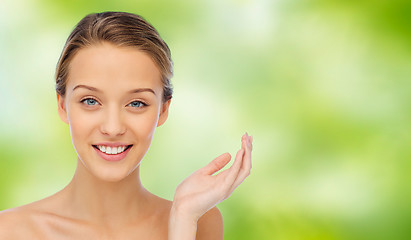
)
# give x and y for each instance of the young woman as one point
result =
(113, 90)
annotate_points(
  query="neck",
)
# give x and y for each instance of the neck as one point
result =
(106, 203)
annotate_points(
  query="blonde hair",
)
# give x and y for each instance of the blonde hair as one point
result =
(120, 29)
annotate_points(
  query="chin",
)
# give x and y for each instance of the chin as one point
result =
(111, 176)
(114, 174)
(108, 173)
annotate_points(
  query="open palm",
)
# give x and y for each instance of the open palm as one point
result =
(204, 189)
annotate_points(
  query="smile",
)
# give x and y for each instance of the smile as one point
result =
(112, 153)
(111, 150)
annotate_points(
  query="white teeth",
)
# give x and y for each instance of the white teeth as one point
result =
(111, 150)
(114, 150)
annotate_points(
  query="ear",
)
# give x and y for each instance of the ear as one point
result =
(61, 103)
(163, 113)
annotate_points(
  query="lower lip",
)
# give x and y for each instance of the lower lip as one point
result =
(112, 157)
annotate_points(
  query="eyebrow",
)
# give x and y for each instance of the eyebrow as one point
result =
(142, 90)
(86, 87)
(131, 91)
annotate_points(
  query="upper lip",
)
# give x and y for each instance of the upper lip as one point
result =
(112, 144)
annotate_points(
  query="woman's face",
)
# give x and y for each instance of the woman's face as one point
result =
(113, 103)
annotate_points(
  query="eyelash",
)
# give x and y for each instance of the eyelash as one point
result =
(85, 100)
(142, 104)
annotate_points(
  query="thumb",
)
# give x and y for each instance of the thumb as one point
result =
(217, 164)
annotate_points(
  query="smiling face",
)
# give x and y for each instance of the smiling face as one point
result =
(113, 104)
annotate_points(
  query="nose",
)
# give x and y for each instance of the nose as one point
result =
(113, 123)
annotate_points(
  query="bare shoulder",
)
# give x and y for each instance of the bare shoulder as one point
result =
(210, 226)
(16, 223)
(8, 218)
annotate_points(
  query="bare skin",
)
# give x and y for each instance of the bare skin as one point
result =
(67, 215)
(105, 199)
(58, 216)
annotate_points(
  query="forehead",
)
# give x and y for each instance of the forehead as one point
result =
(105, 65)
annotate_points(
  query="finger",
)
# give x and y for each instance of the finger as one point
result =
(224, 174)
(248, 140)
(245, 167)
(248, 151)
(217, 164)
(212, 167)
(233, 171)
(240, 152)
(231, 175)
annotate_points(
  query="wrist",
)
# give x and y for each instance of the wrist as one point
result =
(182, 225)
(182, 212)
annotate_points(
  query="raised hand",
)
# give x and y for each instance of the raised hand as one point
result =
(204, 189)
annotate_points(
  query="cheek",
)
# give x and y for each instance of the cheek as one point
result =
(80, 124)
(144, 125)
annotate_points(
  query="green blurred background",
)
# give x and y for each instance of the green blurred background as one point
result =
(323, 86)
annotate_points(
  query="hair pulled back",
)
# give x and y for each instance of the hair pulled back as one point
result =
(120, 29)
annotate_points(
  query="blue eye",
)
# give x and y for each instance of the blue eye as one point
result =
(137, 104)
(90, 101)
